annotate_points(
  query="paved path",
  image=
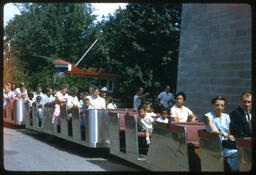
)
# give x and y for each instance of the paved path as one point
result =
(27, 150)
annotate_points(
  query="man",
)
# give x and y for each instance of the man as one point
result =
(13, 89)
(96, 102)
(165, 97)
(103, 92)
(240, 125)
(138, 98)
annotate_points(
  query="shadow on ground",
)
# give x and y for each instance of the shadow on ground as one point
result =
(82, 151)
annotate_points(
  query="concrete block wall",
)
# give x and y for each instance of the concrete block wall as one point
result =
(214, 54)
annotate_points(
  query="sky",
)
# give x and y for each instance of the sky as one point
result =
(100, 9)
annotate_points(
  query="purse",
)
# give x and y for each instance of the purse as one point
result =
(229, 144)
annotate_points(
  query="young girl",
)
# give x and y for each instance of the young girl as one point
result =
(149, 108)
(146, 122)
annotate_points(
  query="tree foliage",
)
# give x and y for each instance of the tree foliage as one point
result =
(139, 42)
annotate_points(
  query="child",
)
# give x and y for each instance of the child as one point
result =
(40, 109)
(110, 104)
(163, 118)
(146, 122)
(85, 108)
(148, 106)
(30, 102)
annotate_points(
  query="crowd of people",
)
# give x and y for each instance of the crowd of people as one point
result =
(171, 107)
(229, 127)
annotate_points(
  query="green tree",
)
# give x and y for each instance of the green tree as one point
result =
(141, 43)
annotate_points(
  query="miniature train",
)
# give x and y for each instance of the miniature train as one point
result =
(177, 146)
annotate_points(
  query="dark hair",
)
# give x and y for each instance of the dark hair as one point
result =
(141, 107)
(163, 109)
(38, 97)
(30, 94)
(73, 90)
(48, 89)
(64, 86)
(85, 100)
(246, 93)
(109, 99)
(138, 89)
(182, 94)
(219, 98)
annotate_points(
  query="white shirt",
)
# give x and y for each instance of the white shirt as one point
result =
(19, 92)
(111, 106)
(146, 122)
(161, 120)
(41, 95)
(48, 99)
(71, 101)
(97, 103)
(7, 96)
(182, 113)
(136, 102)
(152, 114)
(164, 98)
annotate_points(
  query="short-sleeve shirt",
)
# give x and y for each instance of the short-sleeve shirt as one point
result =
(48, 99)
(211, 116)
(60, 96)
(71, 101)
(165, 98)
(161, 120)
(222, 124)
(182, 113)
(97, 103)
(136, 102)
(148, 121)
(36, 95)
(111, 106)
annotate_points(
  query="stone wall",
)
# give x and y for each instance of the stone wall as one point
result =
(214, 54)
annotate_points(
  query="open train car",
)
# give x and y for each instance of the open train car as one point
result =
(182, 146)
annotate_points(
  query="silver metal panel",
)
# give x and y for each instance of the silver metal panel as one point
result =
(244, 149)
(114, 133)
(47, 126)
(210, 152)
(168, 149)
(76, 124)
(96, 126)
(131, 138)
(63, 122)
(27, 115)
(35, 118)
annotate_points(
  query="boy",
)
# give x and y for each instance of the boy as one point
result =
(146, 122)
(163, 118)
(85, 108)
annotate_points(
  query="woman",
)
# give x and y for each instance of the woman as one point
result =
(218, 122)
(180, 113)
(60, 100)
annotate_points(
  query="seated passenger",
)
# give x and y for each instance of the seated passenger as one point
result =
(241, 117)
(104, 92)
(110, 104)
(180, 113)
(163, 117)
(48, 98)
(85, 108)
(149, 108)
(97, 102)
(146, 122)
(72, 101)
(218, 122)
(24, 96)
(40, 109)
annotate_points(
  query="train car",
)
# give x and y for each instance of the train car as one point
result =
(176, 146)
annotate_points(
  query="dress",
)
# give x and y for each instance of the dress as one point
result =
(56, 114)
(146, 123)
(165, 98)
(182, 113)
(231, 154)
